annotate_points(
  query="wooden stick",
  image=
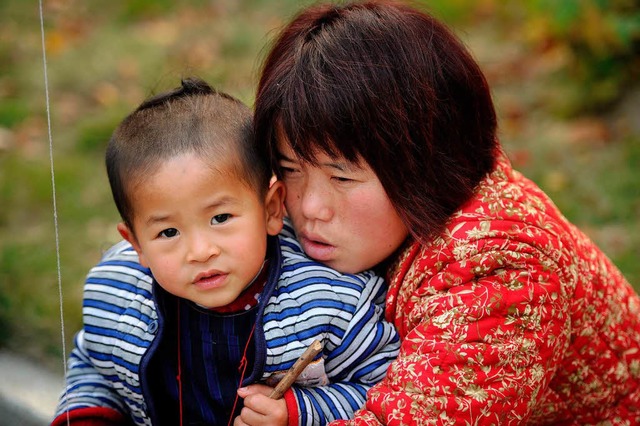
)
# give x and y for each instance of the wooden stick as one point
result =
(295, 370)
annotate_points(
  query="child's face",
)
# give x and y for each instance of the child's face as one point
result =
(202, 233)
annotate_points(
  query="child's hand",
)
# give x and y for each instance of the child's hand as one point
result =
(259, 409)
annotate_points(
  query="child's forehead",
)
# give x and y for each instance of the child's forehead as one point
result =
(213, 164)
(220, 158)
(217, 173)
(228, 166)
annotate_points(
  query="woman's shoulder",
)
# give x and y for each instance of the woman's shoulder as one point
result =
(508, 205)
(508, 217)
(288, 241)
(298, 270)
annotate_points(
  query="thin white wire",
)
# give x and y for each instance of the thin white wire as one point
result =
(53, 190)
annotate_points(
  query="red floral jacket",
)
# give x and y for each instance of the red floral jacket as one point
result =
(511, 316)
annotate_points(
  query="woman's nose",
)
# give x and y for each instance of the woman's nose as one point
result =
(316, 202)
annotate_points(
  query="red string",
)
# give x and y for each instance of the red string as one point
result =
(179, 376)
(243, 367)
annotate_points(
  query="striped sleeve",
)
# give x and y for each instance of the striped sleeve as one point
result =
(85, 386)
(355, 361)
(104, 364)
(346, 312)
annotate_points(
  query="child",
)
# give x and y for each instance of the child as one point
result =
(225, 301)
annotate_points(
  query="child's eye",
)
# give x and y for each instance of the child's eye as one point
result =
(168, 233)
(220, 218)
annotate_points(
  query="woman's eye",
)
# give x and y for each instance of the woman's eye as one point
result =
(341, 179)
(287, 170)
(220, 218)
(168, 233)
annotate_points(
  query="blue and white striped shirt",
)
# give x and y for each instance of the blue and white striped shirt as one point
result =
(305, 301)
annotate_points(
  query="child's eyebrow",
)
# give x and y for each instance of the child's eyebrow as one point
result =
(153, 219)
(223, 201)
(226, 200)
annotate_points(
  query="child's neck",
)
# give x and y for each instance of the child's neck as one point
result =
(249, 296)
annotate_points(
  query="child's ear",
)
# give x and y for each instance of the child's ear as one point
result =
(274, 207)
(128, 235)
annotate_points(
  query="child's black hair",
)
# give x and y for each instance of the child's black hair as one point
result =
(193, 118)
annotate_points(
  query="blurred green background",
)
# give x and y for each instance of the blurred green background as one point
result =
(564, 76)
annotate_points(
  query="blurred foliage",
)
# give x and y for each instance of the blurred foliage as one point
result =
(600, 40)
(103, 58)
(540, 56)
(595, 43)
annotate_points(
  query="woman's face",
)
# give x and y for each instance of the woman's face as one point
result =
(340, 211)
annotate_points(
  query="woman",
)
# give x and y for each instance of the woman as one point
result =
(383, 129)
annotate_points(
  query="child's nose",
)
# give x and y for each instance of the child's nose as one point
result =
(202, 249)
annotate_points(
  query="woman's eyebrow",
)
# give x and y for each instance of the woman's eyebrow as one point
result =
(341, 166)
(281, 156)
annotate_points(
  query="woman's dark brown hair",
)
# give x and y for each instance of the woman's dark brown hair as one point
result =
(382, 82)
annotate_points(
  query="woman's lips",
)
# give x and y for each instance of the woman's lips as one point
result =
(316, 249)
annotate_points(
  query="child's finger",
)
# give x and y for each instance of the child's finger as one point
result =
(254, 389)
(250, 417)
(259, 409)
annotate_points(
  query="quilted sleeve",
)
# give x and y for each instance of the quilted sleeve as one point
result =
(482, 334)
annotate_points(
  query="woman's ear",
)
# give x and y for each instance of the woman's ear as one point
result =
(128, 235)
(274, 207)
